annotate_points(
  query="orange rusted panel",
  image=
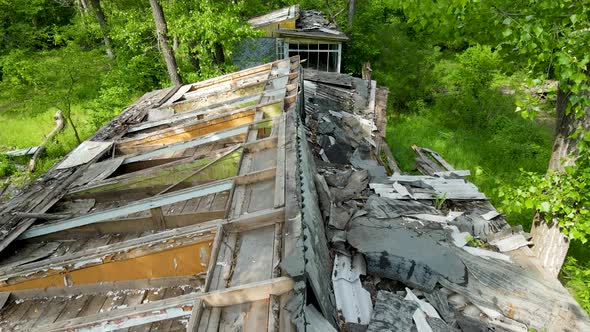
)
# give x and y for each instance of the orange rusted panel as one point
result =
(182, 261)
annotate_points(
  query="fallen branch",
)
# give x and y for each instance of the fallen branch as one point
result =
(59, 125)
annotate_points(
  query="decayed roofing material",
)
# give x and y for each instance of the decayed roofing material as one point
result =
(276, 16)
(258, 201)
(423, 270)
(179, 201)
(293, 22)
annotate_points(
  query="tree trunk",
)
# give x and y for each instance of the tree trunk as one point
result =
(193, 56)
(59, 125)
(108, 43)
(219, 56)
(550, 245)
(351, 8)
(162, 31)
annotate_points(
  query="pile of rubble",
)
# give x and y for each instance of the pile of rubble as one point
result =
(418, 252)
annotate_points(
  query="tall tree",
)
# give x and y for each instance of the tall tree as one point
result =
(162, 32)
(103, 27)
(551, 38)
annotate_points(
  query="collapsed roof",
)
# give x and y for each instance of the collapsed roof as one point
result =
(258, 200)
(307, 24)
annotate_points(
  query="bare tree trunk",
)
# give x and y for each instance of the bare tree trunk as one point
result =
(219, 55)
(71, 122)
(108, 43)
(59, 124)
(550, 245)
(175, 43)
(83, 7)
(351, 9)
(162, 31)
(193, 56)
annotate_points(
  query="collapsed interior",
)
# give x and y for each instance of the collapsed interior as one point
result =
(178, 217)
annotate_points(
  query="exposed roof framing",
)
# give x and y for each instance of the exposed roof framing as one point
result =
(177, 175)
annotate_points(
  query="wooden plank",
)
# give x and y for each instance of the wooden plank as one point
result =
(189, 130)
(279, 199)
(73, 307)
(390, 159)
(54, 308)
(261, 144)
(112, 303)
(93, 305)
(190, 233)
(128, 226)
(209, 138)
(258, 176)
(213, 162)
(33, 314)
(158, 218)
(3, 298)
(220, 201)
(175, 307)
(255, 220)
(104, 287)
(133, 207)
(248, 292)
(439, 159)
(84, 153)
(205, 203)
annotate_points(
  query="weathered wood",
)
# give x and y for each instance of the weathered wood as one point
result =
(390, 159)
(59, 125)
(230, 151)
(132, 225)
(103, 287)
(256, 220)
(133, 207)
(175, 307)
(158, 218)
(258, 176)
(46, 216)
(212, 137)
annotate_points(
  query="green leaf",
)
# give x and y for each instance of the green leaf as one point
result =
(538, 30)
(507, 32)
(545, 207)
(574, 18)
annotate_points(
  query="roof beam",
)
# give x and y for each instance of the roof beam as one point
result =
(212, 137)
(189, 233)
(145, 204)
(175, 307)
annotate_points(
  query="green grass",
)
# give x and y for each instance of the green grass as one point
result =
(21, 130)
(488, 156)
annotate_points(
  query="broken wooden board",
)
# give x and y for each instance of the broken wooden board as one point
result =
(84, 153)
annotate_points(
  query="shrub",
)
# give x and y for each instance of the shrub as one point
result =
(7, 167)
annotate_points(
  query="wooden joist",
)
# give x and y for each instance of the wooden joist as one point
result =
(174, 307)
(247, 222)
(145, 204)
(209, 138)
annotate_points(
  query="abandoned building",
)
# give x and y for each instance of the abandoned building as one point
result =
(259, 201)
(289, 32)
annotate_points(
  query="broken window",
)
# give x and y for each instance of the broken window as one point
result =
(319, 56)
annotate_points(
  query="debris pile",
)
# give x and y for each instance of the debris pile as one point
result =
(417, 252)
